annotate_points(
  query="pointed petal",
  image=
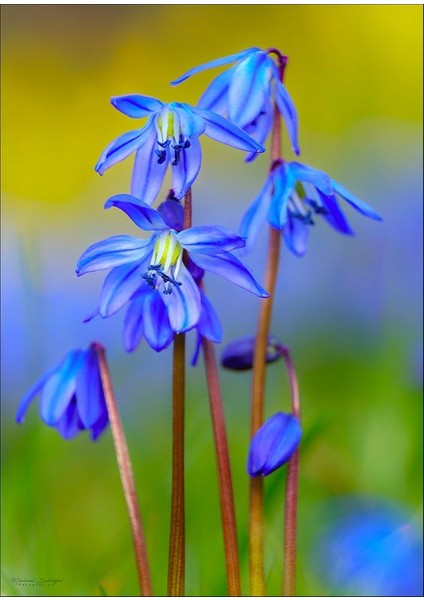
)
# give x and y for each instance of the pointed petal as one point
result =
(187, 169)
(260, 128)
(209, 239)
(209, 325)
(172, 213)
(69, 424)
(191, 124)
(215, 98)
(33, 392)
(60, 387)
(359, 205)
(283, 187)
(256, 214)
(224, 131)
(284, 445)
(157, 330)
(136, 106)
(119, 286)
(288, 110)
(100, 426)
(89, 390)
(139, 212)
(133, 324)
(295, 234)
(229, 267)
(196, 351)
(120, 148)
(249, 88)
(148, 174)
(218, 62)
(183, 304)
(317, 178)
(116, 250)
(334, 216)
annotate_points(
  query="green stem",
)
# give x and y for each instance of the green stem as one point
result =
(229, 526)
(127, 477)
(256, 508)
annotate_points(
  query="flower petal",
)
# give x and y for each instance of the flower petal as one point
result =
(89, 390)
(32, 393)
(218, 62)
(136, 106)
(228, 266)
(172, 213)
(187, 169)
(148, 173)
(116, 250)
(209, 239)
(191, 124)
(318, 178)
(360, 206)
(183, 304)
(333, 215)
(120, 148)
(157, 330)
(288, 110)
(256, 214)
(238, 355)
(60, 387)
(133, 331)
(249, 88)
(209, 325)
(139, 212)
(273, 444)
(224, 131)
(100, 426)
(69, 424)
(215, 97)
(295, 234)
(260, 128)
(283, 187)
(119, 286)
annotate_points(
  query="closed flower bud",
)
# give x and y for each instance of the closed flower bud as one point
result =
(238, 354)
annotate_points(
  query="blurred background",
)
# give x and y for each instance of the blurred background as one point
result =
(350, 310)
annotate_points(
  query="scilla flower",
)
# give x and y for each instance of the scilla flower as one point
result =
(170, 136)
(244, 94)
(273, 444)
(238, 355)
(157, 263)
(72, 397)
(291, 197)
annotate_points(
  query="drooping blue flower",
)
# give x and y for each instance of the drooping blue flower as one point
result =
(156, 264)
(238, 355)
(72, 397)
(292, 195)
(244, 94)
(170, 136)
(369, 547)
(273, 444)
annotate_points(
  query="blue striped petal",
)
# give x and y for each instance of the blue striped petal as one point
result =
(133, 331)
(357, 204)
(249, 89)
(283, 187)
(261, 126)
(218, 62)
(157, 330)
(119, 286)
(333, 215)
(317, 178)
(89, 390)
(172, 213)
(183, 304)
(33, 392)
(136, 106)
(99, 426)
(215, 98)
(121, 148)
(224, 131)
(191, 124)
(209, 325)
(229, 267)
(69, 424)
(143, 215)
(209, 239)
(187, 169)
(256, 214)
(148, 174)
(113, 251)
(295, 234)
(288, 110)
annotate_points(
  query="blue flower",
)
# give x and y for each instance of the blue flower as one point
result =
(273, 444)
(238, 354)
(171, 135)
(292, 195)
(369, 548)
(72, 397)
(156, 264)
(244, 94)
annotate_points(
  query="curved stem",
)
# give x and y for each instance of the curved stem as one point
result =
(229, 526)
(290, 515)
(127, 477)
(176, 559)
(256, 525)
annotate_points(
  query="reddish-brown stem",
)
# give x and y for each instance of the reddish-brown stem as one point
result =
(127, 478)
(229, 526)
(256, 525)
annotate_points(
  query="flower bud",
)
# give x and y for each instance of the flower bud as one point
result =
(238, 354)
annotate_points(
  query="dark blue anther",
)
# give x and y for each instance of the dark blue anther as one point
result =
(161, 156)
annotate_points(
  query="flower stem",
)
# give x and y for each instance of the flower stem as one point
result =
(176, 559)
(127, 478)
(256, 523)
(290, 515)
(229, 526)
